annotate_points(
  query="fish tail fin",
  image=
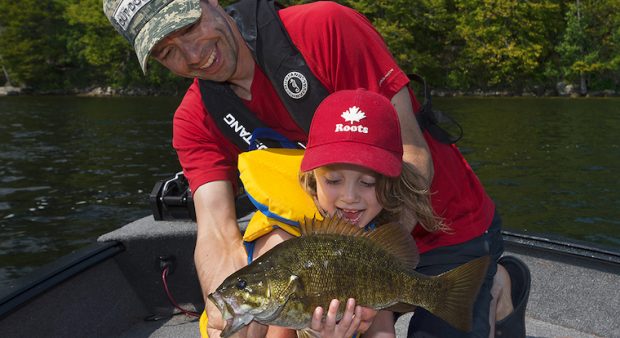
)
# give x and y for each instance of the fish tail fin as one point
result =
(461, 286)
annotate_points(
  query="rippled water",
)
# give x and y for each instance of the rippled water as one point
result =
(551, 164)
(73, 168)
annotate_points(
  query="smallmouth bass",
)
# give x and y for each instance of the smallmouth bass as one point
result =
(333, 259)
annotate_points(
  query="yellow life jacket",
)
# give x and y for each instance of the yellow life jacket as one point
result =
(270, 178)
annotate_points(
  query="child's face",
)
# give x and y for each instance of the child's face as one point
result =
(348, 191)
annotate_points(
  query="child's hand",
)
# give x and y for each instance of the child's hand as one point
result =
(348, 325)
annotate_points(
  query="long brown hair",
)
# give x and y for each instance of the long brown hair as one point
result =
(400, 198)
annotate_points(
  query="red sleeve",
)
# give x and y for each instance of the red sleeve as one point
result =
(204, 153)
(343, 48)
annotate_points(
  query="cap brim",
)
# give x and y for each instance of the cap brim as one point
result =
(377, 159)
(174, 16)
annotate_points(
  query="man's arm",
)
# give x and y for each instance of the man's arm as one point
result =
(415, 149)
(219, 248)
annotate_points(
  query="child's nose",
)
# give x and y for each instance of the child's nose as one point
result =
(349, 194)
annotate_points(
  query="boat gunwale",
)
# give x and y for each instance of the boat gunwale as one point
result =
(24, 289)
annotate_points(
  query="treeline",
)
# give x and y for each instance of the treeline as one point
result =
(512, 46)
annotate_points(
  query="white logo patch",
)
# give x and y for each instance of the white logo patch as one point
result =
(351, 115)
(295, 85)
(126, 10)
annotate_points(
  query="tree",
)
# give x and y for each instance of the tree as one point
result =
(505, 41)
(32, 41)
(511, 45)
(572, 49)
(108, 56)
(62, 45)
(5, 72)
(589, 46)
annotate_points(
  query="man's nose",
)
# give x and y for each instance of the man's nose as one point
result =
(192, 52)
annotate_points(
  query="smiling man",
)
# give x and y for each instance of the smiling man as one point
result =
(260, 65)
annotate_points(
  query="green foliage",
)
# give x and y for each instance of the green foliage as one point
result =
(511, 45)
(589, 47)
(32, 41)
(504, 41)
(62, 45)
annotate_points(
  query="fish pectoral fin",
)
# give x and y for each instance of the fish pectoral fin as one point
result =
(308, 333)
(294, 287)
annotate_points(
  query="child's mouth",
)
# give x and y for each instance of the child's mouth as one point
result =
(352, 216)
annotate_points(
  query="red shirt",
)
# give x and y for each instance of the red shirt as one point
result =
(345, 53)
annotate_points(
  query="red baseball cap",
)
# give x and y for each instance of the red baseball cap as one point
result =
(356, 127)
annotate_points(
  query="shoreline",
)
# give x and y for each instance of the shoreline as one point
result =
(111, 92)
(86, 92)
(10, 90)
(497, 93)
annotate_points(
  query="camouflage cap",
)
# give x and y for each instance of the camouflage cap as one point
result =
(146, 22)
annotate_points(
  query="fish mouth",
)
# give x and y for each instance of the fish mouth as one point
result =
(234, 320)
(221, 305)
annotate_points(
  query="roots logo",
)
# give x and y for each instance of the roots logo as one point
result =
(351, 115)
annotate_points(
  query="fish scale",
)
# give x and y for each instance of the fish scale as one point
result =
(347, 273)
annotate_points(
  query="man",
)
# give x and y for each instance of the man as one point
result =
(199, 39)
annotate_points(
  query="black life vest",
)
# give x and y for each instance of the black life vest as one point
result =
(298, 88)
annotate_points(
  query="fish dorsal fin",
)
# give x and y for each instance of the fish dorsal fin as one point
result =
(395, 239)
(392, 237)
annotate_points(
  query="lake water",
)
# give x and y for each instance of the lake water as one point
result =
(72, 168)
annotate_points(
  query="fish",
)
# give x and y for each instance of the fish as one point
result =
(333, 259)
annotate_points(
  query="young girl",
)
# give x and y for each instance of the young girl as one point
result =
(353, 168)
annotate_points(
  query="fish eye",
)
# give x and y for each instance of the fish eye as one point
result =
(241, 284)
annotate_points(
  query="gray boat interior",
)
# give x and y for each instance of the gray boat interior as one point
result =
(114, 288)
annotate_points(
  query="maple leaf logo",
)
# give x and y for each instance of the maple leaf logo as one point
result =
(353, 114)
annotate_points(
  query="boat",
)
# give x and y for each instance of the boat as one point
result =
(140, 281)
